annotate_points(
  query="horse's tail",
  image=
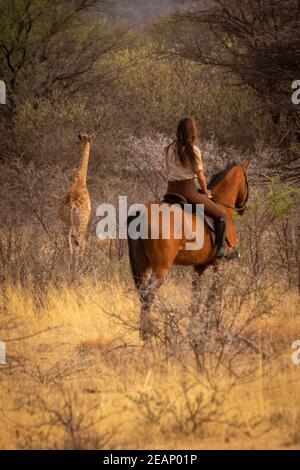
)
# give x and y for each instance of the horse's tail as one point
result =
(137, 256)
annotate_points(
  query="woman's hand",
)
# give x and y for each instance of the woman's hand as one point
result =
(203, 184)
(202, 181)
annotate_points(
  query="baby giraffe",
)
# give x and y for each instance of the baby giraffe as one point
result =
(76, 206)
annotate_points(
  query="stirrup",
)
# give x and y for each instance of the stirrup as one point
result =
(221, 253)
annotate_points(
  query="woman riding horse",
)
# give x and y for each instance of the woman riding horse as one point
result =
(183, 166)
(151, 258)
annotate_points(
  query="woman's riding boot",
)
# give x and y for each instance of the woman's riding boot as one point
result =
(220, 225)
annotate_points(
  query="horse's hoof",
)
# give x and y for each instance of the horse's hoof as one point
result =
(148, 330)
(145, 335)
(228, 255)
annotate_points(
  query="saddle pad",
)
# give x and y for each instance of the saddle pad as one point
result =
(173, 198)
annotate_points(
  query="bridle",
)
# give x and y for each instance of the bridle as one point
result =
(244, 206)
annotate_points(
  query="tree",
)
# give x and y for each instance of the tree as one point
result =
(257, 44)
(49, 46)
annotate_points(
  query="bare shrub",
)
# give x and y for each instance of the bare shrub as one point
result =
(59, 423)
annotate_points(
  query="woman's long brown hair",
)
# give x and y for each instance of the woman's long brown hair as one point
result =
(186, 137)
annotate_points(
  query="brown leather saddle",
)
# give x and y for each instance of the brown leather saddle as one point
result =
(174, 198)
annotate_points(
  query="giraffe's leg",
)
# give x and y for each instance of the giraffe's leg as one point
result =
(65, 214)
(70, 241)
(67, 235)
(83, 225)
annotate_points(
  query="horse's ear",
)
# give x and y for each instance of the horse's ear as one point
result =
(245, 164)
(230, 162)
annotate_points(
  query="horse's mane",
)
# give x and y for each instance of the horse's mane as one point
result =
(220, 175)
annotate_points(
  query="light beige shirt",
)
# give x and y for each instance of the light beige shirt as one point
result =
(174, 168)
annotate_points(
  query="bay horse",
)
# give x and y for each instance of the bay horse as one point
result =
(230, 191)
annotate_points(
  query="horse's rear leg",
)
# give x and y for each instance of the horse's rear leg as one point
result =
(147, 294)
(196, 330)
(197, 289)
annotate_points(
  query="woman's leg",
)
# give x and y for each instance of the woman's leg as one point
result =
(211, 209)
(189, 191)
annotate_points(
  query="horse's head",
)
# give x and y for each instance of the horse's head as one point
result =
(224, 188)
(243, 194)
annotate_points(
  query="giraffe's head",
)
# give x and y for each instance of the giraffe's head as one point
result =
(86, 136)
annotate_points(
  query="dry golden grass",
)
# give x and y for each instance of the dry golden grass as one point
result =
(77, 376)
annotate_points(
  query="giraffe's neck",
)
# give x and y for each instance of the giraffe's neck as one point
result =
(81, 173)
